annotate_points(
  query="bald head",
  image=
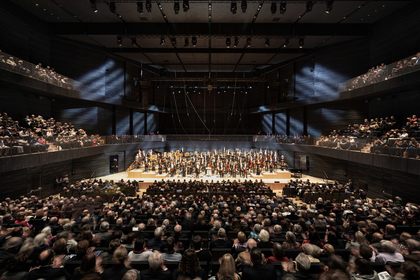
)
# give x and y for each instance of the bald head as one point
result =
(377, 236)
(251, 243)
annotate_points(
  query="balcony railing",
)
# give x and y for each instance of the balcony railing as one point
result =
(382, 73)
(20, 66)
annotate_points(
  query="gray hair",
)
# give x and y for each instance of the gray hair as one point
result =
(104, 226)
(257, 228)
(264, 235)
(142, 226)
(221, 232)
(217, 224)
(165, 222)
(39, 239)
(158, 232)
(277, 229)
(413, 243)
(27, 246)
(132, 274)
(388, 246)
(155, 260)
(303, 262)
(47, 231)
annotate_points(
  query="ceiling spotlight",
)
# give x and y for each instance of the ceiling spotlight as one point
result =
(309, 6)
(176, 7)
(187, 43)
(140, 7)
(194, 41)
(173, 41)
(273, 8)
(186, 5)
(301, 42)
(162, 41)
(112, 7)
(248, 42)
(282, 8)
(148, 6)
(119, 41)
(244, 6)
(329, 6)
(286, 42)
(228, 42)
(93, 6)
(259, 7)
(134, 41)
(267, 42)
(233, 7)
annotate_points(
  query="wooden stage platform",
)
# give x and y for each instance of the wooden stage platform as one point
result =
(140, 174)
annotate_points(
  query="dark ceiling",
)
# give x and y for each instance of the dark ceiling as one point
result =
(75, 20)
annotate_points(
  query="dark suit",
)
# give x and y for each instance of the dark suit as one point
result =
(260, 271)
(219, 243)
(48, 273)
(115, 272)
(163, 275)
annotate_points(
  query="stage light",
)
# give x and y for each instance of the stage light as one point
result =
(283, 8)
(112, 7)
(286, 43)
(194, 41)
(186, 5)
(93, 6)
(228, 42)
(244, 6)
(309, 6)
(173, 41)
(140, 7)
(209, 6)
(119, 41)
(159, 6)
(248, 42)
(267, 42)
(162, 41)
(176, 7)
(259, 7)
(148, 6)
(273, 8)
(187, 43)
(233, 7)
(329, 7)
(236, 43)
(301, 42)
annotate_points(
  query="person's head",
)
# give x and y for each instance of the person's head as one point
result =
(303, 262)
(197, 242)
(241, 237)
(227, 266)
(46, 257)
(308, 249)
(82, 247)
(158, 233)
(104, 226)
(170, 244)
(412, 245)
(256, 256)
(132, 274)
(139, 244)
(120, 255)
(290, 237)
(278, 250)
(16, 263)
(131, 237)
(60, 246)
(388, 246)
(251, 243)
(189, 263)
(328, 250)
(221, 233)
(360, 237)
(264, 235)
(88, 263)
(365, 251)
(363, 267)
(156, 260)
(113, 245)
(337, 262)
(410, 270)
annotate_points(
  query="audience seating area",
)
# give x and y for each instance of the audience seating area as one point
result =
(214, 224)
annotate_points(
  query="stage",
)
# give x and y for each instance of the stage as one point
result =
(276, 175)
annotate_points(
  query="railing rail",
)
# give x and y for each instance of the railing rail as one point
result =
(38, 72)
(382, 73)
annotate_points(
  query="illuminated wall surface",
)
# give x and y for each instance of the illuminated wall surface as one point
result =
(138, 123)
(280, 123)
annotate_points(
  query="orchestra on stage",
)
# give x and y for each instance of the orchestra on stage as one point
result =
(223, 163)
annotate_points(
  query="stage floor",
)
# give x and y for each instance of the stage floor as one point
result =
(276, 175)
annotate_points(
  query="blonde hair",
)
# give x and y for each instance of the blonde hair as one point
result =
(227, 267)
(241, 237)
(360, 238)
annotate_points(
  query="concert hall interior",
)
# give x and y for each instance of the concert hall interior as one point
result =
(267, 91)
